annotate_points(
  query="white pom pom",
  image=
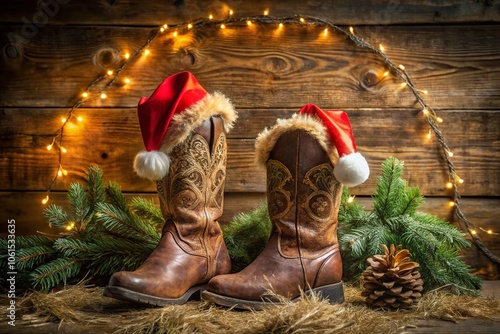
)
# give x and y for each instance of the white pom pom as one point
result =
(352, 170)
(153, 165)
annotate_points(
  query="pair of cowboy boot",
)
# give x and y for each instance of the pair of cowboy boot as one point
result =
(305, 176)
(303, 191)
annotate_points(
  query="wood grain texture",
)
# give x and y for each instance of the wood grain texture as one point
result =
(111, 138)
(151, 12)
(27, 210)
(260, 65)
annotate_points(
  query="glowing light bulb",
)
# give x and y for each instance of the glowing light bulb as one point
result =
(473, 232)
(223, 26)
(49, 147)
(103, 96)
(425, 111)
(63, 120)
(110, 72)
(439, 119)
(302, 20)
(59, 173)
(325, 32)
(127, 80)
(231, 12)
(386, 73)
(449, 185)
(489, 232)
(175, 33)
(351, 30)
(79, 118)
(425, 91)
(165, 26)
(162, 29)
(63, 150)
(381, 47)
(190, 26)
(146, 52)
(401, 67)
(249, 22)
(450, 153)
(266, 12)
(210, 17)
(281, 25)
(451, 204)
(429, 134)
(45, 200)
(460, 180)
(404, 84)
(350, 199)
(85, 95)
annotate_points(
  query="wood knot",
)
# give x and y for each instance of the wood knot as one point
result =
(188, 59)
(370, 78)
(11, 51)
(275, 64)
(107, 57)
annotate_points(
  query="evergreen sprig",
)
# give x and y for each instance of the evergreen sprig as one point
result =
(433, 243)
(101, 234)
(246, 236)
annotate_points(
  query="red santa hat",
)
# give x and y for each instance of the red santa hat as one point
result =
(333, 131)
(177, 107)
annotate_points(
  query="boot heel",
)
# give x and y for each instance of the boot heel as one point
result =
(334, 293)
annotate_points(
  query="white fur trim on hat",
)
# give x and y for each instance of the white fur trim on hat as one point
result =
(152, 165)
(351, 170)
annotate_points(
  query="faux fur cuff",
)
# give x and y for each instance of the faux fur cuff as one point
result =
(267, 139)
(183, 123)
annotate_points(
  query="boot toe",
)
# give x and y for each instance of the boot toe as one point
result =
(124, 279)
(220, 284)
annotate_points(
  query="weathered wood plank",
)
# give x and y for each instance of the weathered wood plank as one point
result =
(151, 12)
(27, 210)
(110, 138)
(458, 65)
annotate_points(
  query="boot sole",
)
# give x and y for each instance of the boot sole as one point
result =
(120, 293)
(334, 293)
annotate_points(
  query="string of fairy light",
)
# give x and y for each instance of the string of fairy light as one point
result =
(177, 30)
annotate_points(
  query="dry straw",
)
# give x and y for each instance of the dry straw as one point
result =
(84, 306)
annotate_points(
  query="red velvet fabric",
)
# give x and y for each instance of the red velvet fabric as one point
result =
(338, 126)
(174, 95)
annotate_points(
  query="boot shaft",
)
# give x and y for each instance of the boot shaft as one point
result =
(191, 194)
(303, 195)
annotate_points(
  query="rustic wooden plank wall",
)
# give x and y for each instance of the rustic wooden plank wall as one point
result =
(52, 50)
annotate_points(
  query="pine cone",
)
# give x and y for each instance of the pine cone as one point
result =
(392, 280)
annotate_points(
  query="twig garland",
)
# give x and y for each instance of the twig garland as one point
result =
(398, 70)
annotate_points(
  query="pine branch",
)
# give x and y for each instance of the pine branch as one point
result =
(387, 197)
(412, 200)
(79, 202)
(247, 235)
(96, 190)
(55, 272)
(116, 198)
(56, 216)
(71, 248)
(117, 221)
(28, 258)
(146, 209)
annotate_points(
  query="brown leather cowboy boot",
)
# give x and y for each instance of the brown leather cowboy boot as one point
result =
(303, 195)
(191, 250)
